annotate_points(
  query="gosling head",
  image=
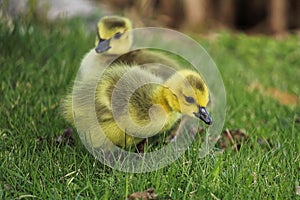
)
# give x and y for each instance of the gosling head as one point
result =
(187, 93)
(113, 35)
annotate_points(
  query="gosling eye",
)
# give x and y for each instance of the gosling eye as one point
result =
(118, 35)
(190, 99)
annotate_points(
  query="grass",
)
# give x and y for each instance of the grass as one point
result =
(38, 63)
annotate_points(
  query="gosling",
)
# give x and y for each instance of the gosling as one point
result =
(113, 43)
(127, 114)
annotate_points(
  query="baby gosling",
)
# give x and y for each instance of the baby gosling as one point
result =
(114, 39)
(151, 109)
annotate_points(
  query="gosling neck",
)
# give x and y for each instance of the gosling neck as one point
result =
(167, 99)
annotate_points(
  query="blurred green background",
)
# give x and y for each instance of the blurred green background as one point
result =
(250, 16)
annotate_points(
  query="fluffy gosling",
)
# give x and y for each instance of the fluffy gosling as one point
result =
(113, 40)
(152, 108)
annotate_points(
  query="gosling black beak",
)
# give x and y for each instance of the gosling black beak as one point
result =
(102, 46)
(203, 114)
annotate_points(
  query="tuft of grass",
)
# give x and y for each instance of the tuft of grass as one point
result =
(38, 63)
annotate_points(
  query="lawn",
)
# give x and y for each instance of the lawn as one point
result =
(261, 75)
